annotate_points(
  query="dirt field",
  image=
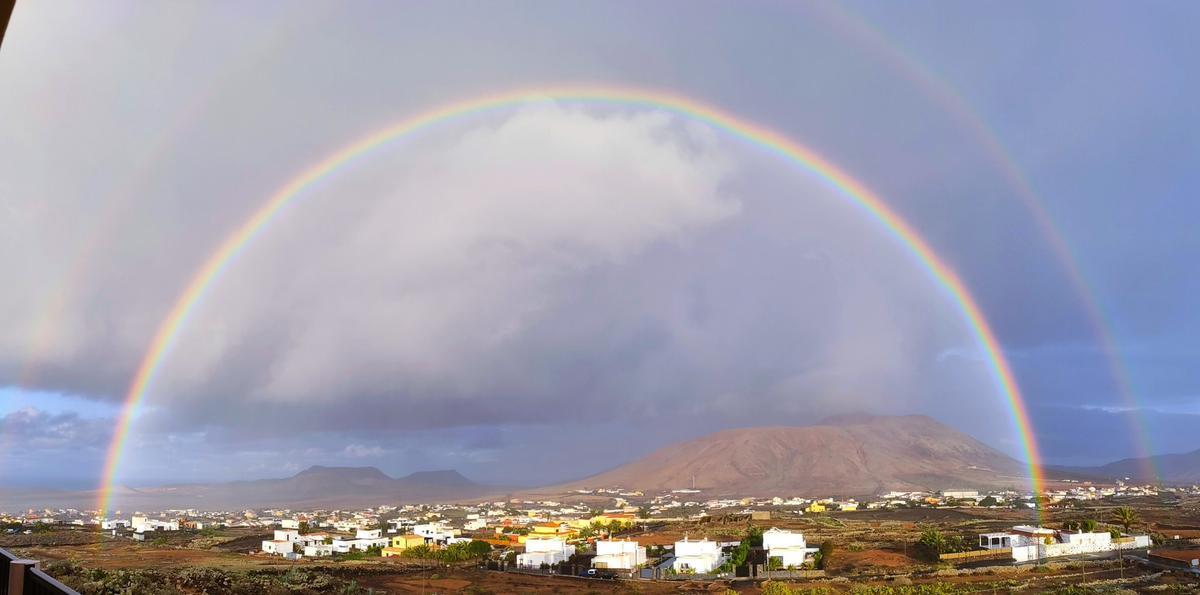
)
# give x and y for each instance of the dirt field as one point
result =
(873, 549)
(507, 583)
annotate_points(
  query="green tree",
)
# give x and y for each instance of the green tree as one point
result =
(1125, 517)
(955, 543)
(1088, 525)
(989, 501)
(931, 544)
(754, 534)
(740, 554)
(643, 512)
(304, 528)
(479, 549)
(420, 552)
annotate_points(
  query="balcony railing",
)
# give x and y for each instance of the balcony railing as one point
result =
(23, 577)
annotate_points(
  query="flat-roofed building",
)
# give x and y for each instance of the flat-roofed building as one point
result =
(700, 557)
(544, 551)
(788, 546)
(621, 554)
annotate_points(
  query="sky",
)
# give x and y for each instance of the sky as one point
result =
(548, 290)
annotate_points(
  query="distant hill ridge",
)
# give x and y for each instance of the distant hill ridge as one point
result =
(320, 487)
(849, 455)
(1182, 468)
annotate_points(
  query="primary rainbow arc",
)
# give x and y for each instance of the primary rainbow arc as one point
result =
(857, 193)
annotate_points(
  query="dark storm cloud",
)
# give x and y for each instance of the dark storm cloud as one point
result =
(30, 430)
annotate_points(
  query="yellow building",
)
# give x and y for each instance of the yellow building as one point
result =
(551, 530)
(388, 552)
(815, 507)
(403, 542)
(607, 518)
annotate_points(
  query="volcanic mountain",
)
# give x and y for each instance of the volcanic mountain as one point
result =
(848, 455)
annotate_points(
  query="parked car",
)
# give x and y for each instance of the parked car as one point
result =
(599, 573)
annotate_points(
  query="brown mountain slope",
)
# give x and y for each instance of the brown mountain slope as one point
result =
(849, 455)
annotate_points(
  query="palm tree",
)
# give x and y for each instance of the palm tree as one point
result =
(1125, 516)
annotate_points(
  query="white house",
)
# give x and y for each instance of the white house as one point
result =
(290, 535)
(314, 550)
(400, 526)
(544, 551)
(618, 554)
(114, 524)
(368, 534)
(436, 533)
(290, 523)
(697, 556)
(961, 494)
(996, 541)
(277, 546)
(142, 523)
(311, 538)
(788, 546)
(1019, 536)
(1036, 543)
(344, 545)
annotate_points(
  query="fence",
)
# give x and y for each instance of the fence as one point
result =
(23, 577)
(998, 554)
(792, 574)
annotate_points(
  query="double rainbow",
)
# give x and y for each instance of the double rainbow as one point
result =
(855, 192)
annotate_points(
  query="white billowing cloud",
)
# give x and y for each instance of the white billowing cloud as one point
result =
(414, 273)
(362, 451)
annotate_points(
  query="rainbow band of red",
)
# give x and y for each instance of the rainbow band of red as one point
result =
(846, 186)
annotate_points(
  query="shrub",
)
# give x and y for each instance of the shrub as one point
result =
(776, 588)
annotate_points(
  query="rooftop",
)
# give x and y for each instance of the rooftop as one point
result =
(1179, 555)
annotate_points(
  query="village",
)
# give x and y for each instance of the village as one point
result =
(616, 534)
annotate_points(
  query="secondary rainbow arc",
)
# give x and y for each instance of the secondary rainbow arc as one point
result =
(953, 104)
(857, 194)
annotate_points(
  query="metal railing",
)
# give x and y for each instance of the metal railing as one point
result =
(23, 577)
